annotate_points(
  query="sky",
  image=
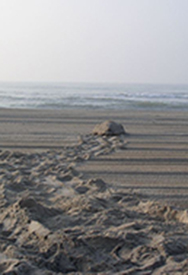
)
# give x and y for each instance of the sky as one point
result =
(129, 41)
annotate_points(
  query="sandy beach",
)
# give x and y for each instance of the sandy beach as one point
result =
(75, 203)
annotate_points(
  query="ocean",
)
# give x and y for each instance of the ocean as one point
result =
(93, 95)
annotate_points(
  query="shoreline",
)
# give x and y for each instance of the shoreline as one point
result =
(95, 96)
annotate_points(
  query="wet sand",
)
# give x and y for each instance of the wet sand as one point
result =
(75, 203)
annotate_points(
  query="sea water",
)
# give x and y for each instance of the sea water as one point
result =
(93, 95)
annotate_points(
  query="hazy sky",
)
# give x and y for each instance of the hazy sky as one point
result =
(94, 40)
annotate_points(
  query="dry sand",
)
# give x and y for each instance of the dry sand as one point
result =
(93, 205)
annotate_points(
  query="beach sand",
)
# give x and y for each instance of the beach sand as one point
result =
(74, 203)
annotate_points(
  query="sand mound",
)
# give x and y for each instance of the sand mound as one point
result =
(109, 128)
(52, 221)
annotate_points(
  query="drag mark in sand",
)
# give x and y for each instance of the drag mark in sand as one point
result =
(52, 221)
